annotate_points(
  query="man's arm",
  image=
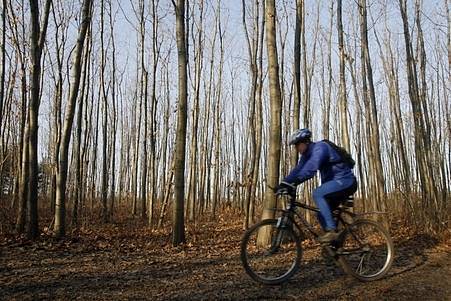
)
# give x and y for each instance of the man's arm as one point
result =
(307, 170)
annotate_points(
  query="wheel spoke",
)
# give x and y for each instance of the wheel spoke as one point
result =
(366, 251)
(274, 261)
(360, 266)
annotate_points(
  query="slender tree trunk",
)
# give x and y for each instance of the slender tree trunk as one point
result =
(297, 74)
(275, 118)
(2, 75)
(254, 45)
(370, 96)
(258, 119)
(428, 188)
(178, 234)
(306, 95)
(358, 127)
(195, 116)
(77, 147)
(326, 110)
(37, 43)
(145, 141)
(156, 44)
(448, 40)
(143, 99)
(343, 100)
(95, 154)
(60, 213)
(23, 188)
(112, 194)
(104, 94)
(218, 128)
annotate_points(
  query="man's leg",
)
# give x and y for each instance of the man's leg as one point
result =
(326, 220)
(321, 220)
(319, 196)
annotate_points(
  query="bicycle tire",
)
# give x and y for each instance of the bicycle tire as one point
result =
(244, 254)
(351, 233)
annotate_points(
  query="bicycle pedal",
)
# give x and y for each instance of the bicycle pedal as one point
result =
(331, 252)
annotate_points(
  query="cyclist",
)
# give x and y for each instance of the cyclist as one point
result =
(337, 179)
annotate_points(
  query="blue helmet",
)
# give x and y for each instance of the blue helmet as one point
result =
(302, 135)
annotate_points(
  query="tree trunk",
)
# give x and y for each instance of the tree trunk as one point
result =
(156, 45)
(428, 188)
(326, 109)
(178, 234)
(37, 43)
(297, 74)
(370, 104)
(343, 100)
(77, 147)
(104, 94)
(60, 212)
(23, 187)
(273, 160)
(112, 194)
(193, 178)
(2, 75)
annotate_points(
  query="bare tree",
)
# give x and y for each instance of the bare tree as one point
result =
(60, 212)
(297, 73)
(104, 95)
(38, 34)
(342, 101)
(218, 122)
(114, 117)
(198, 67)
(328, 86)
(276, 112)
(422, 147)
(369, 98)
(2, 75)
(156, 48)
(178, 223)
(85, 86)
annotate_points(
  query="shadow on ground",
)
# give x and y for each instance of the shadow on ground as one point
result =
(146, 274)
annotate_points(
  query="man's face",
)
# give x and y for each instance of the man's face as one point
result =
(301, 147)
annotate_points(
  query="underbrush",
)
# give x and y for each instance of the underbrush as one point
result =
(124, 225)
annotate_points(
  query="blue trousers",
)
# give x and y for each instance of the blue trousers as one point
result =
(343, 187)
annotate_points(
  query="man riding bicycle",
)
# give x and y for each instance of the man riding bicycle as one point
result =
(337, 179)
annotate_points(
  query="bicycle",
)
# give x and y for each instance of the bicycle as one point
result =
(364, 249)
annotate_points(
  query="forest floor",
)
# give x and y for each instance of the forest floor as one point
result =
(127, 261)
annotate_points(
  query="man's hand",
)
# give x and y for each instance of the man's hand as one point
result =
(285, 188)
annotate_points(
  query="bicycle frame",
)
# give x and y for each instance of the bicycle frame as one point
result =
(288, 217)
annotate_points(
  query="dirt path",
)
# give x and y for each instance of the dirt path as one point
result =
(134, 266)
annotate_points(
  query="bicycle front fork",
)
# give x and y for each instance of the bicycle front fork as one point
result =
(283, 222)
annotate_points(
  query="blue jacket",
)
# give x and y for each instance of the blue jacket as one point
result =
(319, 156)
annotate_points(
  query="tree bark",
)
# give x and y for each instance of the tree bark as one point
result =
(275, 117)
(2, 75)
(77, 148)
(297, 74)
(37, 42)
(422, 147)
(178, 230)
(104, 95)
(60, 212)
(343, 100)
(370, 104)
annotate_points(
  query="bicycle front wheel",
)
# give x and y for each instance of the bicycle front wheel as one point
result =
(366, 250)
(270, 254)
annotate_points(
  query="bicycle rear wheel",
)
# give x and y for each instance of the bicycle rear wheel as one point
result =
(272, 261)
(366, 251)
